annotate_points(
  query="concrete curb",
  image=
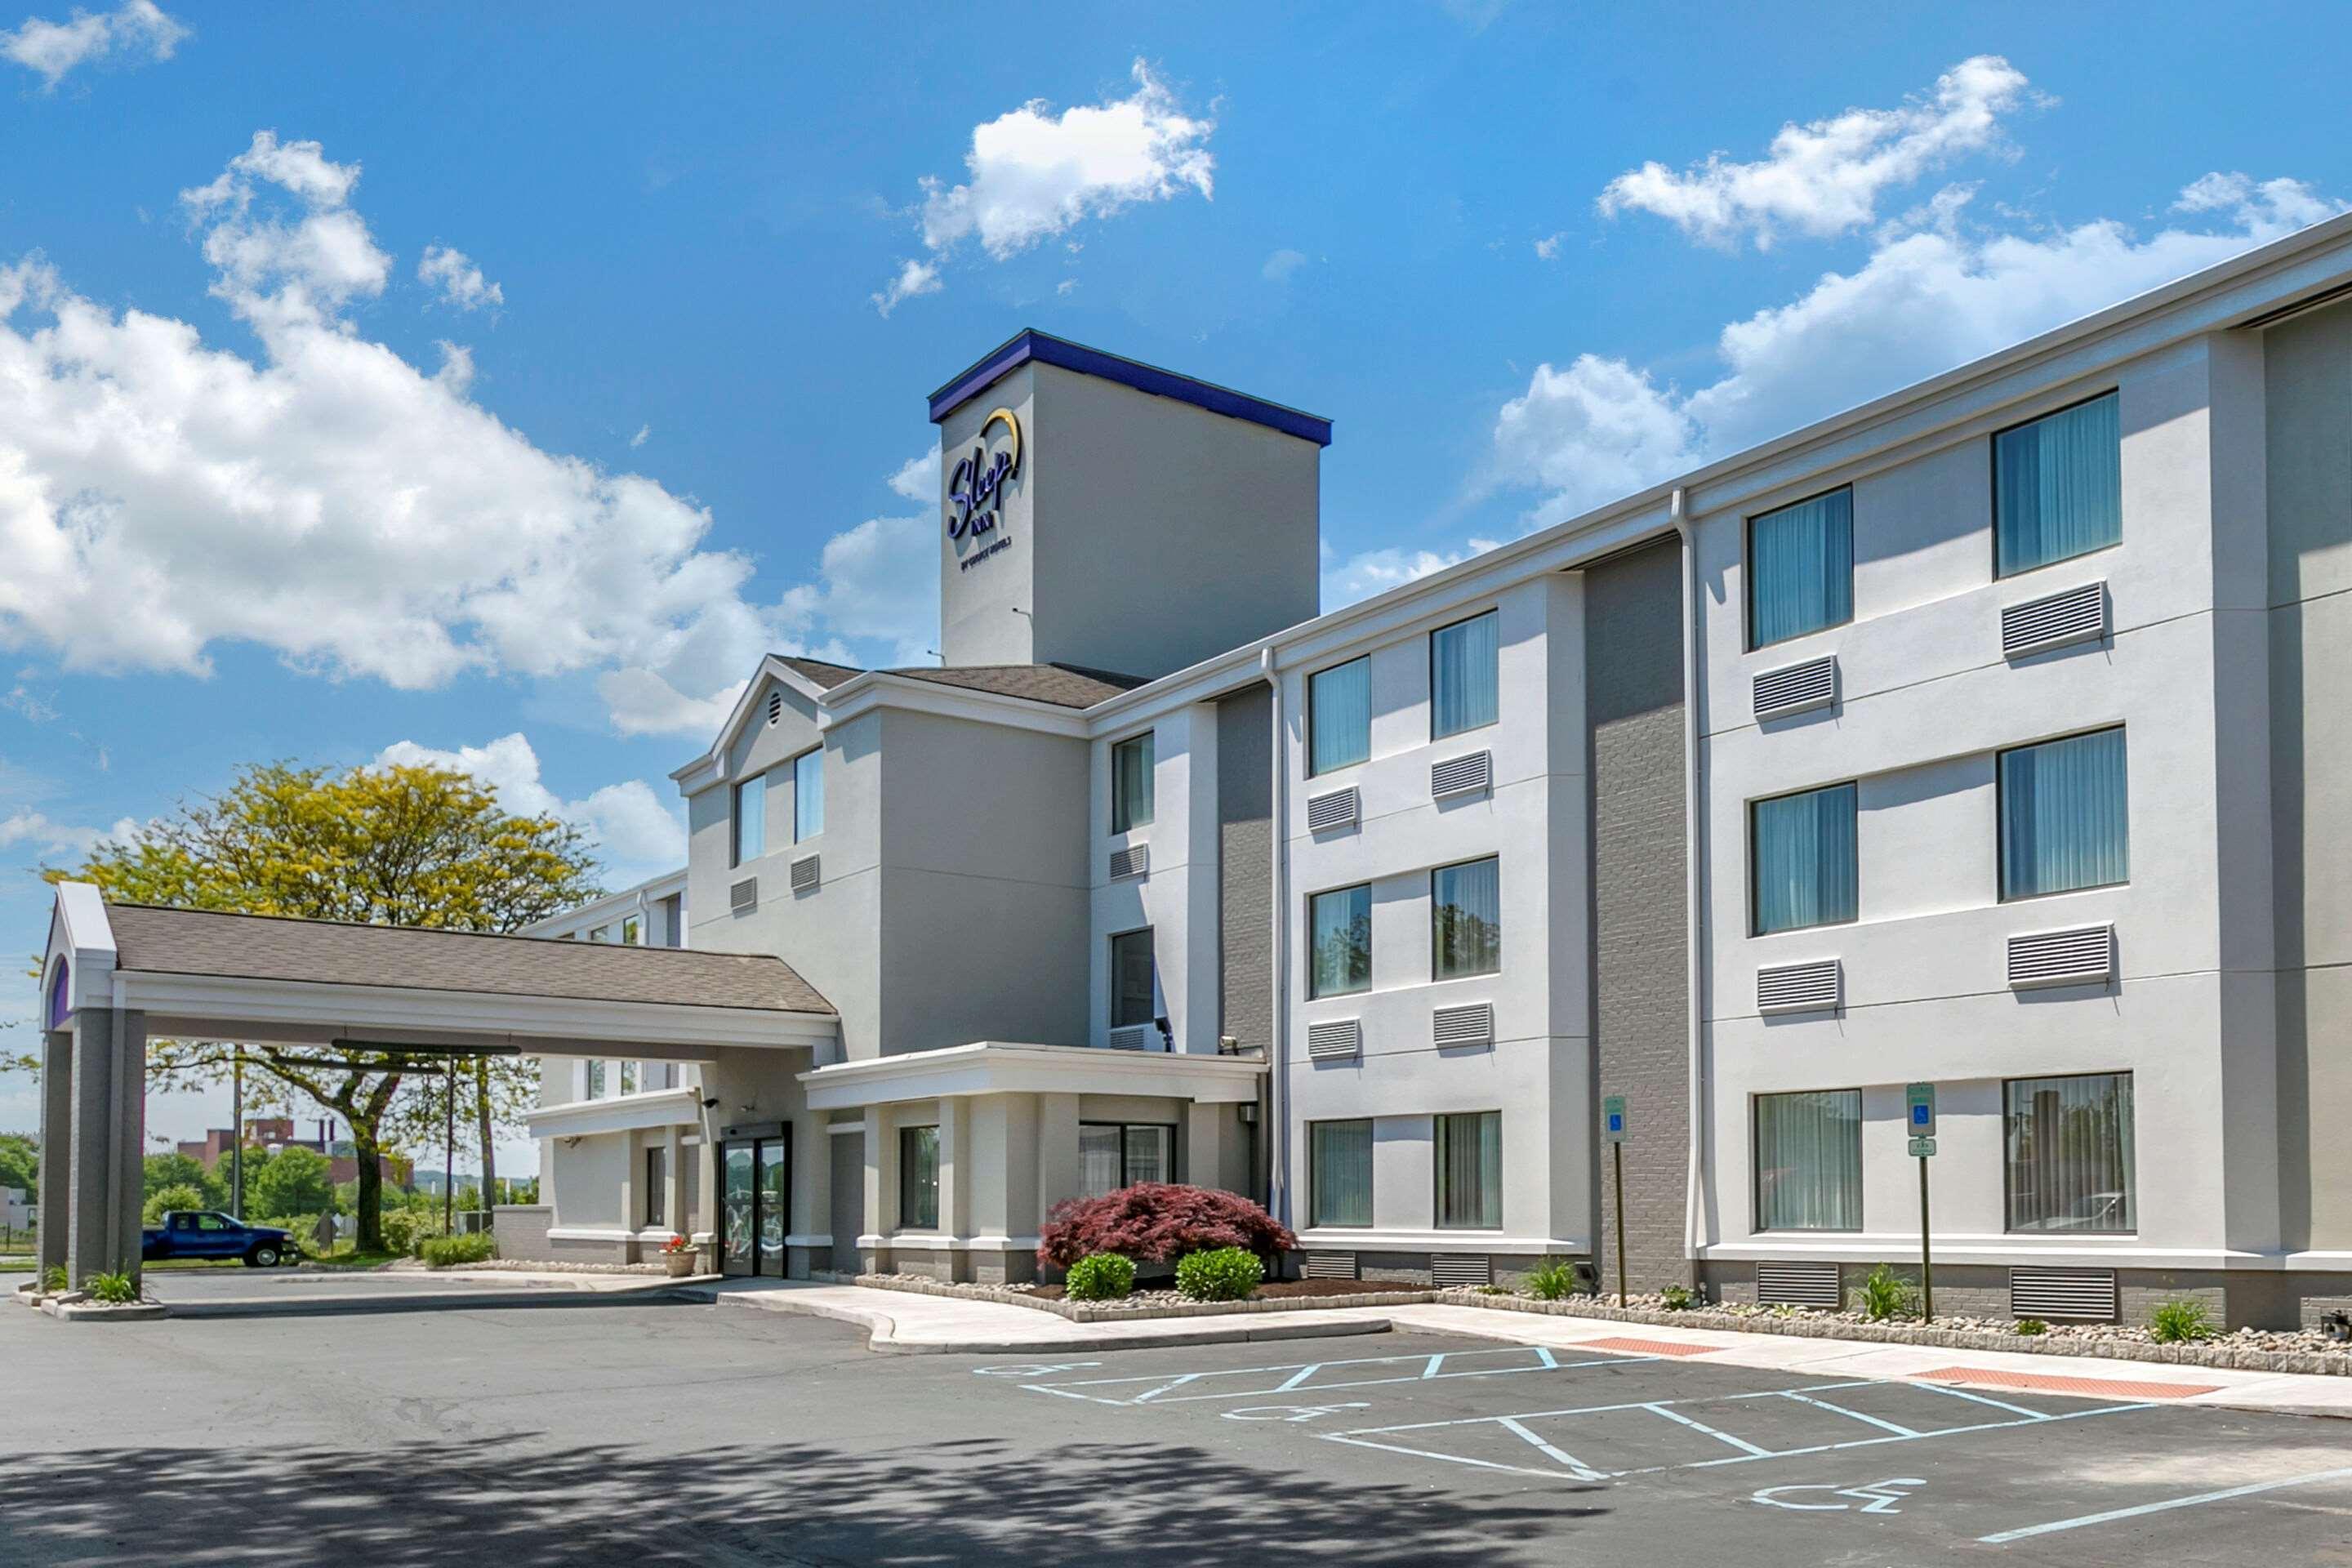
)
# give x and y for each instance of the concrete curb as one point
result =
(66, 1311)
(2222, 1358)
(882, 1330)
(428, 1301)
(1088, 1313)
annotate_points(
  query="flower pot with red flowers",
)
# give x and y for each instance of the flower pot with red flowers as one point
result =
(679, 1256)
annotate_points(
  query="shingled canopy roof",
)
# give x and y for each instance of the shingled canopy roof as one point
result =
(267, 947)
(1062, 685)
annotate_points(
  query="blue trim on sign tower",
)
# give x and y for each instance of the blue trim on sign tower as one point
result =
(1043, 348)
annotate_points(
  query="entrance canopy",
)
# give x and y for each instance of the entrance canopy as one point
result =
(115, 975)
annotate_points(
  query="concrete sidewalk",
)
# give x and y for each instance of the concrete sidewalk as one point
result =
(315, 1295)
(905, 1322)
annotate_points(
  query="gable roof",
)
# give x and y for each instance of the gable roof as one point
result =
(1062, 685)
(332, 953)
(817, 672)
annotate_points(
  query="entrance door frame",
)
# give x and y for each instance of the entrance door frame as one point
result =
(764, 1140)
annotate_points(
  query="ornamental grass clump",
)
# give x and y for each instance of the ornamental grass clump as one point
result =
(1099, 1277)
(1221, 1274)
(1553, 1279)
(1887, 1295)
(116, 1289)
(2179, 1322)
(1158, 1222)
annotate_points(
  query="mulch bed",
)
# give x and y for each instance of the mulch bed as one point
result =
(1277, 1289)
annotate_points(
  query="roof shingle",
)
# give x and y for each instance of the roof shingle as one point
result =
(269, 947)
(1062, 685)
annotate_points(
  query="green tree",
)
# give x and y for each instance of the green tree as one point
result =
(185, 1170)
(385, 845)
(296, 1182)
(20, 1163)
(177, 1195)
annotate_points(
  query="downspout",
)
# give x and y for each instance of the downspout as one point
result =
(1695, 1228)
(1277, 1114)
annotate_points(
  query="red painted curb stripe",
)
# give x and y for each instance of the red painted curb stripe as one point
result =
(1646, 1347)
(2053, 1383)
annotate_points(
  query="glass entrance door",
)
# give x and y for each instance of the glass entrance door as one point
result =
(773, 1187)
(738, 1210)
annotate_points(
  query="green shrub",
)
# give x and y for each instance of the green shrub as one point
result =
(1221, 1274)
(179, 1196)
(116, 1289)
(450, 1251)
(1099, 1277)
(1677, 1298)
(404, 1230)
(1552, 1279)
(2180, 1322)
(2031, 1326)
(53, 1280)
(1887, 1295)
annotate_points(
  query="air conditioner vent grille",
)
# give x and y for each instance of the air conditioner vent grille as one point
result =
(1135, 860)
(1328, 1266)
(1469, 1026)
(1335, 1039)
(1473, 775)
(1460, 1269)
(1337, 809)
(805, 874)
(776, 706)
(1135, 1038)
(2086, 1295)
(1797, 1285)
(2085, 956)
(744, 896)
(1796, 688)
(2078, 614)
(1799, 987)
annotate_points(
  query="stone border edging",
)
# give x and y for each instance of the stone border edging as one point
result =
(2220, 1356)
(1088, 1313)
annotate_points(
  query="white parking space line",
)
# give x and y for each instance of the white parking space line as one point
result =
(1576, 1467)
(2145, 1509)
(1975, 1398)
(1856, 1414)
(1673, 1414)
(1257, 1382)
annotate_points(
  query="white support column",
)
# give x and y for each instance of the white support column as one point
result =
(881, 1193)
(1057, 1152)
(57, 1146)
(959, 1175)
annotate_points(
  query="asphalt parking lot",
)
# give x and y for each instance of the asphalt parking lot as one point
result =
(661, 1431)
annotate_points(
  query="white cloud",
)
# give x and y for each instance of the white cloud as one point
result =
(879, 582)
(1548, 248)
(1066, 286)
(627, 823)
(135, 33)
(325, 498)
(1925, 302)
(1281, 265)
(1374, 572)
(1825, 177)
(645, 434)
(915, 278)
(44, 838)
(918, 478)
(1033, 175)
(459, 283)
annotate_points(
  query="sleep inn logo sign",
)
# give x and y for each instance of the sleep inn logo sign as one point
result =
(976, 485)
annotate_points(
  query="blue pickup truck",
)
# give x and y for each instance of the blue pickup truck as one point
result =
(200, 1233)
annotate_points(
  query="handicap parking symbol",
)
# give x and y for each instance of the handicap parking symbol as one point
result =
(1875, 1497)
(1293, 1411)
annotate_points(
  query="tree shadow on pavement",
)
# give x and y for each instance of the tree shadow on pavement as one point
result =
(504, 1500)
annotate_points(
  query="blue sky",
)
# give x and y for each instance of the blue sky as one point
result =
(497, 383)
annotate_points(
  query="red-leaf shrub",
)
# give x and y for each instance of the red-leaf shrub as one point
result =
(1153, 1222)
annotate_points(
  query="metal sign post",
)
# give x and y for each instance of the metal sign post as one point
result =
(1613, 1125)
(1920, 1121)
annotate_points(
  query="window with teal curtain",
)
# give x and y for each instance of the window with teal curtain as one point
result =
(1340, 926)
(1800, 568)
(1463, 672)
(1465, 914)
(1805, 870)
(2064, 816)
(1339, 716)
(808, 795)
(2058, 486)
(1470, 1171)
(1808, 1161)
(1340, 1173)
(2071, 1159)
(1131, 799)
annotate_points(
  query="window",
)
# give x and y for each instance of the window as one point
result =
(752, 818)
(1114, 1155)
(1340, 927)
(1801, 851)
(2057, 487)
(1470, 1171)
(1134, 983)
(656, 1187)
(1800, 568)
(661, 1075)
(2064, 816)
(919, 1177)
(631, 932)
(808, 795)
(1339, 716)
(596, 1080)
(1462, 676)
(1130, 782)
(628, 1078)
(2070, 1153)
(674, 920)
(602, 933)
(1808, 1161)
(1466, 914)
(1340, 1173)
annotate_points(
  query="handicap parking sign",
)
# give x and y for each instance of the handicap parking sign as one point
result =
(1612, 1118)
(1922, 1116)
